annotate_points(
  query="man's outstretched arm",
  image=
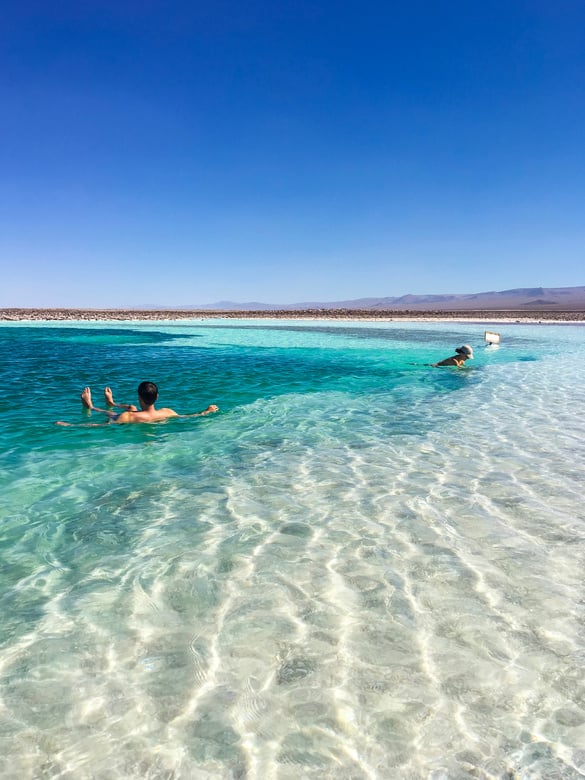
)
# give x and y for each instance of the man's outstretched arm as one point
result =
(81, 425)
(210, 410)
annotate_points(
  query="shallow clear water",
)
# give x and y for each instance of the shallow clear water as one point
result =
(362, 567)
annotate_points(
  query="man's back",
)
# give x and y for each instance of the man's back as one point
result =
(145, 416)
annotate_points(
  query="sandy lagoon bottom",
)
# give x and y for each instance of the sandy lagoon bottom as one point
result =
(361, 568)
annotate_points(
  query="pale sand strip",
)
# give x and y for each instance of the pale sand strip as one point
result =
(573, 317)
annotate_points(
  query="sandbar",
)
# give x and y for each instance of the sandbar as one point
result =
(380, 315)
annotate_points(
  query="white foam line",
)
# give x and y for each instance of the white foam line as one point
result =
(12, 653)
(214, 665)
(244, 715)
(470, 736)
(260, 767)
(342, 596)
(490, 598)
(423, 640)
(566, 755)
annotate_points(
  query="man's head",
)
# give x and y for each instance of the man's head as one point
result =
(147, 392)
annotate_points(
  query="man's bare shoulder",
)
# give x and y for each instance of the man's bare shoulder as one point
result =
(125, 417)
(165, 412)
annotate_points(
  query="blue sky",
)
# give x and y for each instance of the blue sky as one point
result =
(185, 153)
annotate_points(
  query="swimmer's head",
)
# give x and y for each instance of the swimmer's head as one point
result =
(148, 392)
(465, 350)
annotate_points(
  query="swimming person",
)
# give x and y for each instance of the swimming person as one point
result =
(463, 353)
(147, 395)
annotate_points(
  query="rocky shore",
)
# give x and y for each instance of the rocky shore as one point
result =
(100, 315)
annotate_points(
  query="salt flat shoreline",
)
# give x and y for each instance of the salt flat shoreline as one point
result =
(382, 315)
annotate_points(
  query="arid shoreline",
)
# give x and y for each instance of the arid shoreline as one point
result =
(100, 315)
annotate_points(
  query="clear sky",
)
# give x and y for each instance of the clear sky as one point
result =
(179, 153)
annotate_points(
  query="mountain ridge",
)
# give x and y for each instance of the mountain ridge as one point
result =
(547, 298)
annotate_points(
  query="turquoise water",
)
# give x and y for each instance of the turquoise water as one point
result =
(362, 567)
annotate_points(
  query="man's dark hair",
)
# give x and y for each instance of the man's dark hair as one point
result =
(148, 391)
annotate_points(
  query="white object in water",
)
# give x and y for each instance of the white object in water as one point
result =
(491, 337)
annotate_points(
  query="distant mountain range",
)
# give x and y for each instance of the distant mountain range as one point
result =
(527, 298)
